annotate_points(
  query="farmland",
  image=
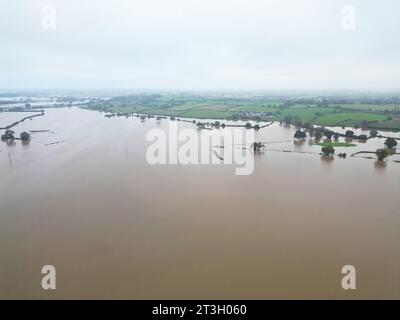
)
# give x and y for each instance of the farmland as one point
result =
(379, 113)
(349, 118)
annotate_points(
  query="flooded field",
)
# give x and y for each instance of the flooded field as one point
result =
(83, 198)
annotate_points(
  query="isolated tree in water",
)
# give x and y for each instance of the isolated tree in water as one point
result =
(257, 146)
(300, 134)
(373, 133)
(381, 154)
(328, 151)
(25, 136)
(390, 143)
(362, 137)
(349, 134)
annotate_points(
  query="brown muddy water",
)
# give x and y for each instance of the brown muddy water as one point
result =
(116, 227)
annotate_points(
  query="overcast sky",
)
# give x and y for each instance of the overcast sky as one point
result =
(200, 44)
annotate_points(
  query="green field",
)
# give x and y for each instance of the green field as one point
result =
(303, 106)
(250, 108)
(336, 144)
(313, 111)
(305, 114)
(185, 107)
(206, 114)
(348, 118)
(369, 107)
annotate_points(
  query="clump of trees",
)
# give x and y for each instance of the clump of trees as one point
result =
(317, 132)
(318, 135)
(257, 146)
(320, 132)
(349, 134)
(216, 124)
(300, 134)
(248, 125)
(362, 137)
(373, 133)
(8, 135)
(328, 151)
(25, 136)
(328, 134)
(381, 154)
(289, 119)
(390, 143)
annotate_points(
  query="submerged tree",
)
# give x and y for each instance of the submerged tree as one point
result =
(362, 137)
(200, 125)
(257, 146)
(381, 154)
(328, 134)
(328, 150)
(373, 133)
(336, 136)
(318, 135)
(300, 134)
(25, 136)
(390, 143)
(349, 134)
(8, 135)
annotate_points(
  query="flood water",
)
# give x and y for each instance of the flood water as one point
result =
(116, 227)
